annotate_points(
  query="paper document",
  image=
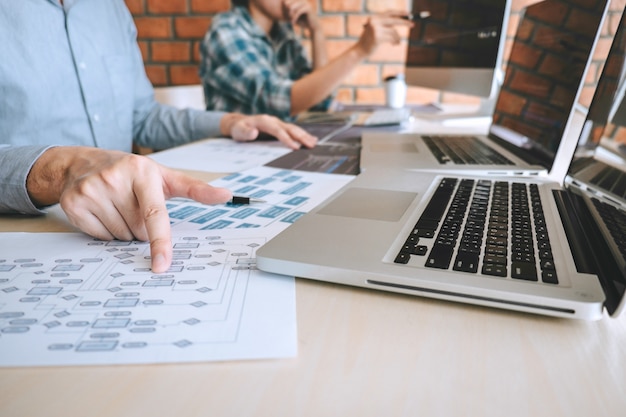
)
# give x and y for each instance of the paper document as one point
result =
(220, 155)
(68, 299)
(288, 194)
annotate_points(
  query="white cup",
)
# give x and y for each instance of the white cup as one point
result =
(395, 91)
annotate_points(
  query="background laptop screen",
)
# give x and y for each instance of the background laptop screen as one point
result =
(544, 72)
(594, 140)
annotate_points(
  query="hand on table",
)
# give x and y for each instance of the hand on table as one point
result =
(116, 195)
(247, 128)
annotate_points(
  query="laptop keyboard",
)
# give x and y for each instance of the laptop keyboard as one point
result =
(494, 228)
(615, 222)
(463, 150)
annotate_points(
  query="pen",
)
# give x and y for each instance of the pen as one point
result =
(245, 200)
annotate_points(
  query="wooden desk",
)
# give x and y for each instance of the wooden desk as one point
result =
(361, 353)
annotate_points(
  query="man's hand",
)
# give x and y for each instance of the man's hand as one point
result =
(116, 195)
(381, 29)
(300, 13)
(247, 128)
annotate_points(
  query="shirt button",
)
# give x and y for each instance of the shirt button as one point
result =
(96, 117)
(82, 65)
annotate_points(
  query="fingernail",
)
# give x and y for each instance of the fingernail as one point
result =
(158, 263)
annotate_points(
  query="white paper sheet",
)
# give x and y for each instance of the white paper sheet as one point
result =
(220, 155)
(288, 194)
(67, 299)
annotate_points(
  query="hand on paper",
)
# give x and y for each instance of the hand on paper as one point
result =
(116, 195)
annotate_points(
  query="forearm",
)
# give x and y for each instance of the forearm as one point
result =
(319, 55)
(314, 87)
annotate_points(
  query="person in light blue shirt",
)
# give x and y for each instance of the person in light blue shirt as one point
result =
(74, 97)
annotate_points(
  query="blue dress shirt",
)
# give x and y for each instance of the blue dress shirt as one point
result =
(73, 74)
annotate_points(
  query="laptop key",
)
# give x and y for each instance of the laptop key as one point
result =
(440, 257)
(466, 262)
(524, 270)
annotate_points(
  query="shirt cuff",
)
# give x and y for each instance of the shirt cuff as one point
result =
(15, 165)
(206, 124)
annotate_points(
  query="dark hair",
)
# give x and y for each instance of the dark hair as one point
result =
(239, 3)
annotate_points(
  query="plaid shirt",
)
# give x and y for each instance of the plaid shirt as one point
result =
(243, 70)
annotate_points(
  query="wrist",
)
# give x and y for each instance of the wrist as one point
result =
(228, 121)
(47, 176)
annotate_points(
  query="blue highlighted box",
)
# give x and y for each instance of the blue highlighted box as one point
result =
(274, 212)
(292, 217)
(244, 213)
(212, 215)
(296, 188)
(296, 201)
(221, 224)
(186, 211)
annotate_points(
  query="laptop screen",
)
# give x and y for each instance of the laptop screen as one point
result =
(551, 49)
(596, 142)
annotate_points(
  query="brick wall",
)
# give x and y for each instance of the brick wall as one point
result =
(170, 32)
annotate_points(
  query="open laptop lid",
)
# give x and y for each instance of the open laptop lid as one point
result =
(545, 73)
(599, 172)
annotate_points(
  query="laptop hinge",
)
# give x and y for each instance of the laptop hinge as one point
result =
(590, 249)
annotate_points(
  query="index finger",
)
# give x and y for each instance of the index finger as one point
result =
(156, 218)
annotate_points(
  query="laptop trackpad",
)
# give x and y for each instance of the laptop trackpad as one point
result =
(394, 147)
(367, 203)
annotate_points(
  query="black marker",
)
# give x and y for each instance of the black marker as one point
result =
(245, 200)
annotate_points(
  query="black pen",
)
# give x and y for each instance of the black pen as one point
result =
(245, 200)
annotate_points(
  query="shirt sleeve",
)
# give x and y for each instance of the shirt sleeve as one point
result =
(15, 164)
(248, 75)
(160, 126)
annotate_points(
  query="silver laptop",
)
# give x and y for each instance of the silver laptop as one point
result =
(527, 244)
(534, 110)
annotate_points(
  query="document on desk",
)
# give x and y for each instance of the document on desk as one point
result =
(288, 194)
(220, 155)
(68, 299)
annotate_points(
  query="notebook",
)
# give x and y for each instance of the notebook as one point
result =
(534, 109)
(527, 244)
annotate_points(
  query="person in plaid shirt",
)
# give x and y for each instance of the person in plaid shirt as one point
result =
(253, 61)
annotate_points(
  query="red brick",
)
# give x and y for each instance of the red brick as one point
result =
(342, 5)
(136, 7)
(144, 48)
(153, 27)
(380, 6)
(552, 13)
(334, 26)
(191, 27)
(171, 51)
(167, 6)
(157, 74)
(337, 47)
(184, 74)
(210, 6)
(525, 55)
(512, 104)
(370, 95)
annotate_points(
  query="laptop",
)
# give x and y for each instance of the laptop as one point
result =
(527, 244)
(535, 108)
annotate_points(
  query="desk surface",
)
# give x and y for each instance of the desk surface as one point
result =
(360, 352)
